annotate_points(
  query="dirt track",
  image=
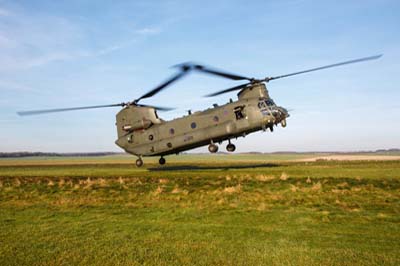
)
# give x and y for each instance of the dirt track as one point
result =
(352, 158)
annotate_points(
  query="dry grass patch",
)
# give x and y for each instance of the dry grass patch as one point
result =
(221, 201)
(17, 182)
(89, 183)
(349, 207)
(284, 176)
(176, 190)
(122, 182)
(234, 189)
(264, 178)
(294, 188)
(316, 187)
(262, 206)
(61, 183)
(102, 182)
(343, 185)
(337, 191)
(382, 215)
(326, 213)
(275, 197)
(157, 191)
(245, 177)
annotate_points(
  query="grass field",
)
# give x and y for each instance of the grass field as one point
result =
(199, 210)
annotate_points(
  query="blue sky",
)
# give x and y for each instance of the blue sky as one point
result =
(74, 53)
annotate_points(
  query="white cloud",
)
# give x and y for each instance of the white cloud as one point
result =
(114, 47)
(29, 40)
(5, 42)
(148, 31)
(10, 63)
(13, 86)
(4, 12)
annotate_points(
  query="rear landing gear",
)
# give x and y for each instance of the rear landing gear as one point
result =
(230, 147)
(212, 148)
(161, 161)
(139, 162)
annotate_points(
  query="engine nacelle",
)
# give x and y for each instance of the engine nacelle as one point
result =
(254, 91)
(130, 126)
(133, 118)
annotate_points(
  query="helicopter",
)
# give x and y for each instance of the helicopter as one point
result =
(141, 132)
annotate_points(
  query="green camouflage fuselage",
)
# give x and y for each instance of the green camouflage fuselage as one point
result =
(142, 133)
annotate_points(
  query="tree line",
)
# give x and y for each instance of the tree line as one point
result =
(53, 154)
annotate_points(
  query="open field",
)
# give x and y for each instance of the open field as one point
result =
(200, 210)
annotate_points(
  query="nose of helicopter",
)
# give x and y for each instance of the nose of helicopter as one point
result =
(285, 112)
(280, 113)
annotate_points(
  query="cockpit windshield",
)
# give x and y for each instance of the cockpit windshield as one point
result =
(262, 104)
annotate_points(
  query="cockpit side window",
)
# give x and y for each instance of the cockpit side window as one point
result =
(262, 105)
(269, 102)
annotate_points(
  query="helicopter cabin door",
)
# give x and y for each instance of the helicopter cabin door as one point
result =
(240, 117)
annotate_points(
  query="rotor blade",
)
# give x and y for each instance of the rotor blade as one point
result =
(211, 71)
(327, 66)
(159, 108)
(38, 112)
(163, 85)
(239, 87)
(220, 73)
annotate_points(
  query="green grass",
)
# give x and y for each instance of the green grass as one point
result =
(199, 210)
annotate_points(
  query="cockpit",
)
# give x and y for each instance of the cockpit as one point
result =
(264, 103)
(269, 108)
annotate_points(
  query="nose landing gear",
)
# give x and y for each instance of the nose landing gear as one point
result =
(162, 161)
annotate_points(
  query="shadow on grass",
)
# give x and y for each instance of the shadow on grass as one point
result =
(210, 167)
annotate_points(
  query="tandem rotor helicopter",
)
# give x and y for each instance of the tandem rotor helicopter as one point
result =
(142, 133)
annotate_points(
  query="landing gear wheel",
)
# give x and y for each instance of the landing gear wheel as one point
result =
(161, 161)
(212, 148)
(139, 162)
(283, 123)
(230, 147)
